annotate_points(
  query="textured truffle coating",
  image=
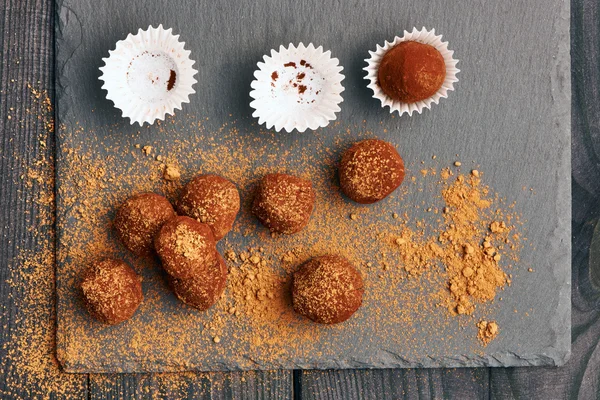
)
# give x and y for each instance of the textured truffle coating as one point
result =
(370, 171)
(112, 291)
(212, 200)
(411, 71)
(185, 246)
(327, 289)
(204, 289)
(138, 220)
(284, 203)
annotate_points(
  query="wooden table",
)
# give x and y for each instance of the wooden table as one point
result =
(28, 58)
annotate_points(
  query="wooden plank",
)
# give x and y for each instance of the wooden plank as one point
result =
(214, 385)
(28, 368)
(464, 383)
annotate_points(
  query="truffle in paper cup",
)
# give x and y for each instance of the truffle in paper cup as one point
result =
(149, 75)
(297, 88)
(423, 36)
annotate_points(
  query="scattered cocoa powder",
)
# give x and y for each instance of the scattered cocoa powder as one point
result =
(255, 307)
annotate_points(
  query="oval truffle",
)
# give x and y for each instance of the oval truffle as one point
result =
(284, 203)
(185, 246)
(204, 289)
(138, 220)
(112, 291)
(411, 71)
(212, 200)
(327, 289)
(370, 171)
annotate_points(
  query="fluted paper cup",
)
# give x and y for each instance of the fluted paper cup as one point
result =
(148, 75)
(297, 88)
(423, 36)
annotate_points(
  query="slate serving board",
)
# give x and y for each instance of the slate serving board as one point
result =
(510, 113)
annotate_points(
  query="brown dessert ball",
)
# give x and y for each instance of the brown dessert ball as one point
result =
(411, 71)
(112, 291)
(327, 289)
(284, 203)
(370, 170)
(203, 290)
(186, 247)
(138, 220)
(212, 200)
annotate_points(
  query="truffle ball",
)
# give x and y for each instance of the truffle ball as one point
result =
(411, 71)
(212, 200)
(327, 289)
(186, 247)
(138, 220)
(284, 203)
(370, 170)
(203, 290)
(112, 291)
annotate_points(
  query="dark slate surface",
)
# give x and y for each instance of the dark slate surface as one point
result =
(27, 34)
(510, 114)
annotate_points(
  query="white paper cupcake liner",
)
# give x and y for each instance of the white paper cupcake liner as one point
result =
(149, 75)
(422, 36)
(297, 88)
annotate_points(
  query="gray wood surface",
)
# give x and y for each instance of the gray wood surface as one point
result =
(27, 37)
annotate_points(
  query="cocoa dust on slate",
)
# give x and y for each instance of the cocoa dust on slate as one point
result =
(455, 261)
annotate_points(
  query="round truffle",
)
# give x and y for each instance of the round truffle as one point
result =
(212, 200)
(370, 171)
(186, 247)
(284, 203)
(327, 289)
(203, 290)
(411, 71)
(138, 220)
(112, 291)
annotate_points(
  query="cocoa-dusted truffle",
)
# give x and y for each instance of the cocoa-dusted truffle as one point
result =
(204, 289)
(327, 289)
(112, 291)
(411, 71)
(185, 246)
(284, 203)
(138, 220)
(370, 170)
(212, 200)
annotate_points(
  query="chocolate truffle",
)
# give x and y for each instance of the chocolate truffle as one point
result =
(370, 170)
(411, 71)
(212, 200)
(186, 247)
(283, 203)
(327, 289)
(138, 220)
(204, 289)
(112, 291)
